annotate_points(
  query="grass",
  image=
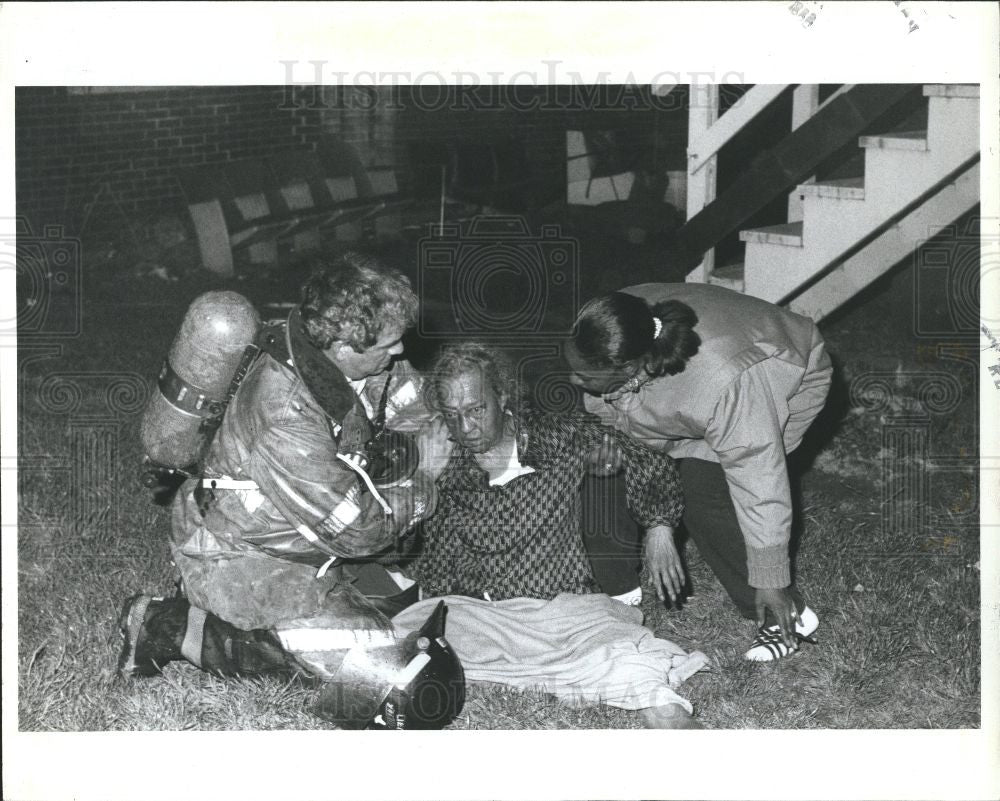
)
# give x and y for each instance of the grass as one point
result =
(899, 603)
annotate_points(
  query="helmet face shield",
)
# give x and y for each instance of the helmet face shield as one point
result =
(416, 683)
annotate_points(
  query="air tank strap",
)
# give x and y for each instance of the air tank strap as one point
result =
(195, 400)
(186, 396)
(224, 482)
(250, 354)
(212, 483)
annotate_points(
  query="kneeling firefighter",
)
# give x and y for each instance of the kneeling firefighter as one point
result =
(308, 476)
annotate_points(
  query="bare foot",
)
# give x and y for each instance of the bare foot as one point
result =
(669, 716)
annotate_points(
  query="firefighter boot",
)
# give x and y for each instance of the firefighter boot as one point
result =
(157, 631)
(152, 630)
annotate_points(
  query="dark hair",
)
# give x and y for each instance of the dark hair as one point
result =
(353, 298)
(464, 357)
(613, 330)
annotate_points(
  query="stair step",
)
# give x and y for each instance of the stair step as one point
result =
(898, 140)
(841, 188)
(729, 276)
(789, 234)
(878, 256)
(951, 90)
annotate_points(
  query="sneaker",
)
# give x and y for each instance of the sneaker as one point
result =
(767, 646)
(630, 598)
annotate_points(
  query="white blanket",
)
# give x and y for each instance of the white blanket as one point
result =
(581, 648)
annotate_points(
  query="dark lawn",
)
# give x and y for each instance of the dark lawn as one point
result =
(892, 573)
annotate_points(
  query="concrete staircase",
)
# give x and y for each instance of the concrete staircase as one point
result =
(853, 230)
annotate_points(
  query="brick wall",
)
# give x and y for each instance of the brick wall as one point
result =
(537, 118)
(95, 157)
(99, 157)
(411, 128)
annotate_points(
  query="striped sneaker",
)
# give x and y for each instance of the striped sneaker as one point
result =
(767, 646)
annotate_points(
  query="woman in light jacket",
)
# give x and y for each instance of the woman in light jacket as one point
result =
(728, 385)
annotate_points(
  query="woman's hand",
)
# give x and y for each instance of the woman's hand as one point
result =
(783, 610)
(606, 458)
(664, 563)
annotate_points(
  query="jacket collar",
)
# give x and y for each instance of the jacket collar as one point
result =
(323, 380)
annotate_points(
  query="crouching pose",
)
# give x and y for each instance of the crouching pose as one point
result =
(505, 548)
(727, 384)
(267, 543)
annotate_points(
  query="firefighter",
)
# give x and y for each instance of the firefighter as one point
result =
(271, 541)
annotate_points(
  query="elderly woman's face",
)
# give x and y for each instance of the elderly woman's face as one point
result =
(472, 410)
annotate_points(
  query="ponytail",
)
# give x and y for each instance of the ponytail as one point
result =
(619, 328)
(676, 340)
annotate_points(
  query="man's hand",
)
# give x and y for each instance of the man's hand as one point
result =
(664, 563)
(783, 610)
(356, 543)
(412, 501)
(606, 458)
(435, 447)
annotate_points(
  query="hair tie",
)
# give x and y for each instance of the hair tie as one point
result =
(657, 327)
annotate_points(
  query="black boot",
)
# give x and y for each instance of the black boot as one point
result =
(229, 651)
(157, 631)
(372, 580)
(392, 605)
(153, 630)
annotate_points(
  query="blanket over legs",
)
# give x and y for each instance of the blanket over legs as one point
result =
(580, 648)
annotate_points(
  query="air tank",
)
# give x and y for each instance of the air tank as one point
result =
(194, 384)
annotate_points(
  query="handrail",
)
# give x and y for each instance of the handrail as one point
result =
(736, 119)
(759, 97)
(844, 87)
(708, 134)
(875, 233)
(781, 167)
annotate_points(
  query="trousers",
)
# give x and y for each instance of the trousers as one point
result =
(612, 538)
(614, 541)
(710, 521)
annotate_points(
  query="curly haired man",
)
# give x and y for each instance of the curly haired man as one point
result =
(270, 543)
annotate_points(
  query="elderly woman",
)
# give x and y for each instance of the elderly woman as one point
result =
(727, 384)
(506, 536)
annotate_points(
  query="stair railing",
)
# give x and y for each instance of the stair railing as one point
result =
(805, 103)
(836, 261)
(708, 133)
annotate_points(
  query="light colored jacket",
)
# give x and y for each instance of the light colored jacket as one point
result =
(745, 400)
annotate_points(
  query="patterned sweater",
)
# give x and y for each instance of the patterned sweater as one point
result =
(522, 539)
